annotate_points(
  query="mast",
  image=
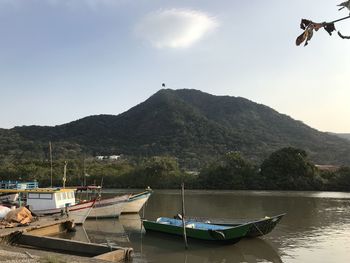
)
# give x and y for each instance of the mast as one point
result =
(50, 147)
(64, 174)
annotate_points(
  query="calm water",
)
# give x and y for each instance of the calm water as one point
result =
(315, 229)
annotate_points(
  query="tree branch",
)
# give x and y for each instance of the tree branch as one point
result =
(309, 27)
(342, 36)
(340, 19)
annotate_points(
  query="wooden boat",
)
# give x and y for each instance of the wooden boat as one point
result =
(109, 208)
(136, 202)
(103, 207)
(53, 201)
(198, 230)
(258, 227)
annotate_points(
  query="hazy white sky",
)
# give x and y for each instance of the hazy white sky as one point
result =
(61, 60)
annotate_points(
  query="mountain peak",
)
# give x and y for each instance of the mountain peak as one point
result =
(193, 126)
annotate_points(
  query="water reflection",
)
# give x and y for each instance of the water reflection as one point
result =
(254, 250)
(317, 226)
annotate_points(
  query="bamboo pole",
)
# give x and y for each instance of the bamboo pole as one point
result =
(183, 214)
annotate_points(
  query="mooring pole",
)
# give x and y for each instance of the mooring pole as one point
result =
(183, 214)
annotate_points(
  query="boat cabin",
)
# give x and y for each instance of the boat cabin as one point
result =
(44, 198)
(50, 198)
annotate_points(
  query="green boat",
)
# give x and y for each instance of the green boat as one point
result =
(258, 227)
(198, 230)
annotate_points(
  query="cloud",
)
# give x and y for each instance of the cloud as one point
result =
(175, 28)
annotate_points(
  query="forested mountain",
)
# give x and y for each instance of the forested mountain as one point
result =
(343, 135)
(189, 124)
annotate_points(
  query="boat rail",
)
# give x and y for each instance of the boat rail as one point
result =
(18, 185)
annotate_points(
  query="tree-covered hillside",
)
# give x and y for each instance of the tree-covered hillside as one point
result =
(343, 135)
(191, 125)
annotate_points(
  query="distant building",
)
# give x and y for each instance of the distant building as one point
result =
(327, 168)
(107, 157)
(114, 157)
(192, 172)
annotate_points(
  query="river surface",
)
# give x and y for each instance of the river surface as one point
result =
(315, 229)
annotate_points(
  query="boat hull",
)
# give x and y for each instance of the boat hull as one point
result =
(136, 202)
(201, 231)
(258, 227)
(78, 212)
(108, 208)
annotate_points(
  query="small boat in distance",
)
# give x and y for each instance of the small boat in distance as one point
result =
(136, 201)
(11, 198)
(198, 230)
(258, 227)
(18, 185)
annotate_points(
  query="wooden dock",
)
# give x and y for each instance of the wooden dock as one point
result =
(39, 234)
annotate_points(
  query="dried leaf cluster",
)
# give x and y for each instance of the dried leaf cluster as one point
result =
(309, 27)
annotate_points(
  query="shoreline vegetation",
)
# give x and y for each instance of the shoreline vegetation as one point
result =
(286, 169)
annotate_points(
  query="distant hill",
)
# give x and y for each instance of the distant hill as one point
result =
(343, 135)
(192, 125)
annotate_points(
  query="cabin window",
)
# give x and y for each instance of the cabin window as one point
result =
(45, 196)
(33, 196)
(39, 196)
(58, 196)
(64, 195)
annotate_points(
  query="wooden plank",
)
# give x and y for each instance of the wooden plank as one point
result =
(48, 230)
(42, 223)
(72, 246)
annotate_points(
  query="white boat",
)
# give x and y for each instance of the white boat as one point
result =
(54, 201)
(108, 208)
(104, 207)
(136, 202)
(58, 201)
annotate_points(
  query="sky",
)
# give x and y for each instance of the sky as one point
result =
(62, 60)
